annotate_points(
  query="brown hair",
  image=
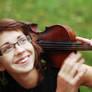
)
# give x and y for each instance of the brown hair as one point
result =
(27, 28)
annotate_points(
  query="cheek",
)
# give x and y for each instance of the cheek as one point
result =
(7, 59)
(30, 48)
(3, 61)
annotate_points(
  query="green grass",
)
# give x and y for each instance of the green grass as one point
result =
(75, 13)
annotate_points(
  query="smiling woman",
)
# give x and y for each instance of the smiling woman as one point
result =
(17, 51)
(21, 58)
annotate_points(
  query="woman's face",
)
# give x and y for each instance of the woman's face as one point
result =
(17, 58)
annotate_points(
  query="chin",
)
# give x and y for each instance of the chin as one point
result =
(20, 70)
(28, 87)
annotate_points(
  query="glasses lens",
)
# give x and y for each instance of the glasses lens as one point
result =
(9, 47)
(22, 41)
(6, 48)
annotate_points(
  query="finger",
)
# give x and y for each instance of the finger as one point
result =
(91, 42)
(84, 40)
(70, 61)
(76, 68)
(79, 76)
(72, 58)
(67, 61)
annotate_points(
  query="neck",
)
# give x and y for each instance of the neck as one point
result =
(28, 80)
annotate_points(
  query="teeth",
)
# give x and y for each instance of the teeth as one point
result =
(22, 61)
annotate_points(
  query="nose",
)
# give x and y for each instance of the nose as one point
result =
(19, 50)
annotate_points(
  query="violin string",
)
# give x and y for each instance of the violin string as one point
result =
(56, 48)
(64, 45)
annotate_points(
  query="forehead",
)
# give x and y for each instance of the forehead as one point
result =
(9, 36)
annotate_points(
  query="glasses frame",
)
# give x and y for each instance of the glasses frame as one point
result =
(28, 37)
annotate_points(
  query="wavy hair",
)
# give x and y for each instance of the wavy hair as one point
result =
(28, 29)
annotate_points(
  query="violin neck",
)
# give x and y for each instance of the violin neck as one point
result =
(52, 45)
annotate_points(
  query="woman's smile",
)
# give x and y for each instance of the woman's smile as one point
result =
(23, 60)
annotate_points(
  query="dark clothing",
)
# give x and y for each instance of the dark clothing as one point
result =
(47, 85)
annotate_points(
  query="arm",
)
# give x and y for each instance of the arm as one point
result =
(87, 79)
(70, 74)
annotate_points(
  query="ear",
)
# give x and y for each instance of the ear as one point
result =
(2, 68)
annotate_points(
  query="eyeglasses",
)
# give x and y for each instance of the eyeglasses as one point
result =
(9, 47)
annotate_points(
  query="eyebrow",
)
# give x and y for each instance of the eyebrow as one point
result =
(20, 36)
(4, 44)
(8, 42)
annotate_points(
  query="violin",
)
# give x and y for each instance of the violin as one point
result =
(58, 42)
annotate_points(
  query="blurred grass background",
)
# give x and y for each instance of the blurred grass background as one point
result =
(75, 13)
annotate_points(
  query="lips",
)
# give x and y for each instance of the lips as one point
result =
(22, 60)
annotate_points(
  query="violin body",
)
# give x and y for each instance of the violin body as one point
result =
(58, 42)
(57, 33)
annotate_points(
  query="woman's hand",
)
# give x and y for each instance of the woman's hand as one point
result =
(70, 74)
(84, 40)
(87, 79)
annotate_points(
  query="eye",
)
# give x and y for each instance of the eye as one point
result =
(22, 40)
(6, 49)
